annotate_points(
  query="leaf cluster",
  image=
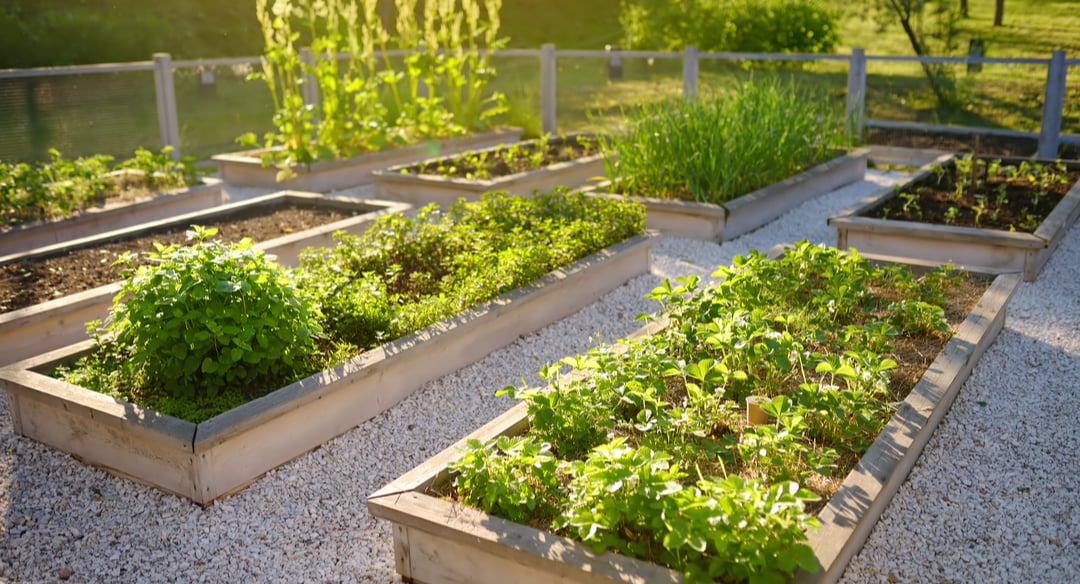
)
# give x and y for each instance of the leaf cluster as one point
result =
(809, 333)
(366, 99)
(722, 147)
(508, 159)
(62, 187)
(200, 329)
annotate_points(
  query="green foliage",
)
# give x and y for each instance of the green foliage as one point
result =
(406, 273)
(809, 332)
(210, 319)
(769, 26)
(714, 150)
(518, 482)
(507, 159)
(62, 187)
(367, 101)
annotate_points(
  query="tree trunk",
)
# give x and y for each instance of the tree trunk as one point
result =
(999, 11)
(936, 86)
(964, 8)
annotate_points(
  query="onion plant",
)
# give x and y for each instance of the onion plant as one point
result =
(716, 149)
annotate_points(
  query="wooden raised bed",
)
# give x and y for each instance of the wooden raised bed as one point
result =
(246, 168)
(977, 249)
(404, 183)
(438, 541)
(222, 455)
(29, 236)
(712, 222)
(50, 325)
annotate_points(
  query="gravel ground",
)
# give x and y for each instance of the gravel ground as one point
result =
(973, 510)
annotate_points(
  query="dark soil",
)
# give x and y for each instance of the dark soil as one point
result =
(31, 282)
(980, 144)
(997, 202)
(512, 159)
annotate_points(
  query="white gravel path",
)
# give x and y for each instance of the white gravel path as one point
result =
(1006, 457)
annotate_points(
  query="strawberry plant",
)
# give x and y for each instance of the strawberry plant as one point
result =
(646, 450)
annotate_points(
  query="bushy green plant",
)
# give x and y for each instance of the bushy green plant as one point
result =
(810, 332)
(747, 26)
(367, 100)
(61, 187)
(716, 149)
(208, 322)
(408, 272)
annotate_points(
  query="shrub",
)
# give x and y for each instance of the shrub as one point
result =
(208, 322)
(772, 26)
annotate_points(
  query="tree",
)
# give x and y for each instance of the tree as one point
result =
(999, 11)
(931, 30)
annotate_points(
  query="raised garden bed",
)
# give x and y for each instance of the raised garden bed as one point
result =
(992, 223)
(213, 458)
(519, 169)
(53, 324)
(247, 169)
(439, 540)
(722, 222)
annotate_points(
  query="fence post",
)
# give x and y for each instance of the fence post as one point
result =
(1053, 103)
(547, 88)
(690, 72)
(166, 103)
(309, 91)
(856, 91)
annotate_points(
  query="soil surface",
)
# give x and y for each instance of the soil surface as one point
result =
(512, 159)
(996, 200)
(980, 144)
(31, 282)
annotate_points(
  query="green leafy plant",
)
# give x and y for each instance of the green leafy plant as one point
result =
(62, 187)
(367, 100)
(509, 159)
(714, 150)
(810, 331)
(206, 320)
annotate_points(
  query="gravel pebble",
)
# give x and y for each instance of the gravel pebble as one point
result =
(974, 509)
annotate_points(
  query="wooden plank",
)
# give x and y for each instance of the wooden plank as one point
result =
(974, 256)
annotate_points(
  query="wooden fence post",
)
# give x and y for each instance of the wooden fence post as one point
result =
(547, 88)
(1053, 104)
(690, 73)
(856, 91)
(166, 103)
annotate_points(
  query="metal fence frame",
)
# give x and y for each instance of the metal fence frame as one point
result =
(1049, 136)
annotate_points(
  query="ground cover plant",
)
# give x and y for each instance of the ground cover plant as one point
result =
(974, 191)
(367, 100)
(508, 159)
(206, 327)
(717, 149)
(643, 448)
(64, 187)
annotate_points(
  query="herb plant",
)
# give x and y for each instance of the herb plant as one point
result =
(507, 159)
(714, 150)
(368, 100)
(983, 193)
(63, 187)
(203, 328)
(203, 325)
(642, 448)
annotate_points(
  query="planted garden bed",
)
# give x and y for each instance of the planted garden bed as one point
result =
(642, 450)
(728, 220)
(716, 168)
(44, 326)
(987, 214)
(248, 169)
(209, 455)
(519, 169)
(61, 200)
